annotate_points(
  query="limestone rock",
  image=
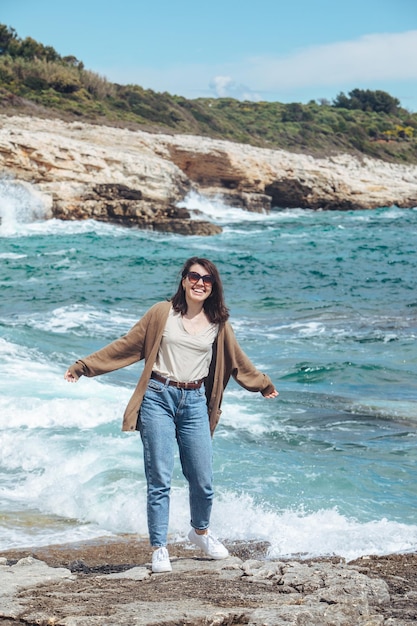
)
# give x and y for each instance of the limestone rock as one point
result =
(290, 180)
(197, 592)
(27, 572)
(134, 178)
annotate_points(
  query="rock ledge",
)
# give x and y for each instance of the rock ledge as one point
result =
(109, 582)
(134, 178)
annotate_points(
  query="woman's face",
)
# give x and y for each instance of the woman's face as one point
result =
(197, 284)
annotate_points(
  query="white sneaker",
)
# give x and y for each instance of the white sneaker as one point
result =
(160, 561)
(209, 544)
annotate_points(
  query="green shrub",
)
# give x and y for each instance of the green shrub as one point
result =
(371, 122)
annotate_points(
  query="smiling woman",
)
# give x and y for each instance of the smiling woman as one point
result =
(190, 353)
(197, 288)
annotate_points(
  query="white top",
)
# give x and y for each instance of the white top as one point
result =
(184, 357)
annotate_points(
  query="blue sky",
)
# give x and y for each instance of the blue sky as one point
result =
(278, 50)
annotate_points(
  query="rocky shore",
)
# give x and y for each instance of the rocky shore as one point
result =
(134, 178)
(109, 582)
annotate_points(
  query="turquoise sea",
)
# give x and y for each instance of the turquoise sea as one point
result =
(324, 302)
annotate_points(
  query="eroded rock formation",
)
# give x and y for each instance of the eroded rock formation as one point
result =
(138, 179)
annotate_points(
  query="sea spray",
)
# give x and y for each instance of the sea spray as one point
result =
(20, 203)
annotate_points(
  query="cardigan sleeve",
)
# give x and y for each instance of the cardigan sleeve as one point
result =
(120, 353)
(241, 367)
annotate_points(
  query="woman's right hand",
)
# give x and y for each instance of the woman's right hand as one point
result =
(70, 377)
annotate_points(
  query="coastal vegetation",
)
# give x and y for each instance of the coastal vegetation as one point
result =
(36, 80)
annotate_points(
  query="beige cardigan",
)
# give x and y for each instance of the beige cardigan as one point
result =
(142, 342)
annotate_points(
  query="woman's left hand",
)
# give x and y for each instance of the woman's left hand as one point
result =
(70, 377)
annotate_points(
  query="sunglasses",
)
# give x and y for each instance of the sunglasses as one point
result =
(194, 277)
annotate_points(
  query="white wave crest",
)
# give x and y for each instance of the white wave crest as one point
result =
(20, 204)
(215, 210)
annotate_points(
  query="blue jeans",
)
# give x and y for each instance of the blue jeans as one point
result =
(168, 415)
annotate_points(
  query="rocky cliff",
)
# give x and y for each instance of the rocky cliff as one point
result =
(135, 178)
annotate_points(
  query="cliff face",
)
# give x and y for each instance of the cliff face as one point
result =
(135, 178)
(254, 177)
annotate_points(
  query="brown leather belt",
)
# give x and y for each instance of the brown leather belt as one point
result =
(195, 384)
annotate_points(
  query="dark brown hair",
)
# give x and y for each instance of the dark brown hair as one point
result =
(214, 307)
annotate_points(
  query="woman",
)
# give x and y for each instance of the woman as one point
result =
(190, 352)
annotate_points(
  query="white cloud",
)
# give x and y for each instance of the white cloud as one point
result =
(221, 85)
(226, 87)
(371, 60)
(387, 56)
